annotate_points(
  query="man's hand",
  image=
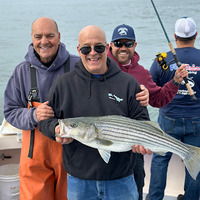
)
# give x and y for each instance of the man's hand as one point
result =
(140, 149)
(44, 111)
(180, 73)
(143, 96)
(64, 140)
(60, 139)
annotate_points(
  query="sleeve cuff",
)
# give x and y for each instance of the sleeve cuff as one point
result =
(175, 83)
(34, 116)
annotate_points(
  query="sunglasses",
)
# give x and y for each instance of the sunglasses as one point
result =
(87, 49)
(127, 44)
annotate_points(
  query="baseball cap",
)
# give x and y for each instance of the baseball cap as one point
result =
(185, 27)
(123, 32)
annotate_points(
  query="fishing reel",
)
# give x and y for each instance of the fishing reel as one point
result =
(161, 59)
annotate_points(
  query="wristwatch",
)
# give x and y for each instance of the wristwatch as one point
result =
(175, 83)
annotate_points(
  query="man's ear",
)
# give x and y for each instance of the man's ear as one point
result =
(175, 37)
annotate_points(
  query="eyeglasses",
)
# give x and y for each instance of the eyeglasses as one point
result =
(127, 44)
(87, 49)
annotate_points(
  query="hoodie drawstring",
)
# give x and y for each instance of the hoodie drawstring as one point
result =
(89, 87)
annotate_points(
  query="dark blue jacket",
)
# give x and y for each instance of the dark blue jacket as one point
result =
(181, 105)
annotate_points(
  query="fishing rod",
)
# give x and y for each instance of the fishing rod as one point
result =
(192, 96)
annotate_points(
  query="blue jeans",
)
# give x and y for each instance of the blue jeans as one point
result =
(119, 189)
(188, 131)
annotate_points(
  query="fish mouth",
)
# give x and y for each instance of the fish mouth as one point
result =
(64, 130)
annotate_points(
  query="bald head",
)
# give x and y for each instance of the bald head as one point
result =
(91, 32)
(44, 20)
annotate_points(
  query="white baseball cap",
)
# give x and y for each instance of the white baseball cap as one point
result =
(185, 27)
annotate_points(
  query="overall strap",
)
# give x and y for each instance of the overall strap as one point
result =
(33, 93)
(67, 65)
(33, 96)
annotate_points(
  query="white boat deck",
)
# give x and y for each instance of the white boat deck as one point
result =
(175, 177)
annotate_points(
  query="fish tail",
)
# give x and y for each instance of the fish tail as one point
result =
(193, 164)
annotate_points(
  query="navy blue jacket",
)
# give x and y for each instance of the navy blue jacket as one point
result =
(181, 105)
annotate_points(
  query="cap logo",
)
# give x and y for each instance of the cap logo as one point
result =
(123, 31)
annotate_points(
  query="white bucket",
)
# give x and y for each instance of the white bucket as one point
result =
(9, 182)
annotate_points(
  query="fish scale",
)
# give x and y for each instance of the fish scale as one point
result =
(106, 128)
(121, 132)
(147, 131)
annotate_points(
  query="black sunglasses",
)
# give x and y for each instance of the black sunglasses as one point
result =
(127, 44)
(87, 49)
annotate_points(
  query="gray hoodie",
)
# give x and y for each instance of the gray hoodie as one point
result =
(19, 84)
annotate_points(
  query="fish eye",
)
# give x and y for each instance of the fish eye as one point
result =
(73, 125)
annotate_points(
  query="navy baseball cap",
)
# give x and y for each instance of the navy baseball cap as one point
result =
(123, 32)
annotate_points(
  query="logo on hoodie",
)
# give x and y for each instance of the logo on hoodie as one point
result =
(114, 97)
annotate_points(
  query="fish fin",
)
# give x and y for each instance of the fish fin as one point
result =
(105, 155)
(104, 142)
(193, 163)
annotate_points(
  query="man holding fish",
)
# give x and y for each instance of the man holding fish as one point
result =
(95, 88)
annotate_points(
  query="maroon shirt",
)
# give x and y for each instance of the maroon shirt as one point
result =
(158, 96)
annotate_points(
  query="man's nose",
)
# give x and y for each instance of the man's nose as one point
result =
(44, 40)
(92, 52)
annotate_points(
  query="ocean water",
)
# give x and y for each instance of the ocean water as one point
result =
(17, 16)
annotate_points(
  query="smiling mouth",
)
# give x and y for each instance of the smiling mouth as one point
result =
(93, 59)
(123, 53)
(45, 48)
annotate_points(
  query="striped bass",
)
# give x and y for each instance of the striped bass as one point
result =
(118, 134)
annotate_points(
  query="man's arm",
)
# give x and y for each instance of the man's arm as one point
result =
(161, 96)
(16, 102)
